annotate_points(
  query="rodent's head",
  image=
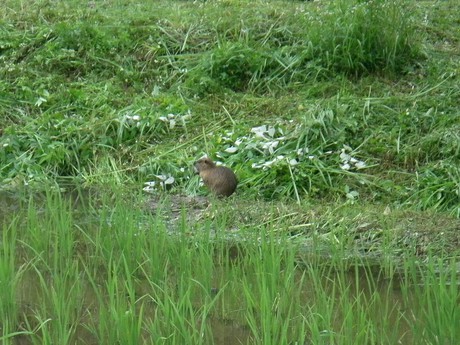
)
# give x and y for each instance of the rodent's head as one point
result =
(204, 164)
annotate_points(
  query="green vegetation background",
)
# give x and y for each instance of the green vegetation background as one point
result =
(348, 108)
(359, 99)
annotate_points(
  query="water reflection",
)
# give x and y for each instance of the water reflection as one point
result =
(368, 291)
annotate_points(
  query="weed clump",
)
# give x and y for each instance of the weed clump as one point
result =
(233, 66)
(362, 37)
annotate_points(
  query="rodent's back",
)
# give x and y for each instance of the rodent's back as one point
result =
(221, 180)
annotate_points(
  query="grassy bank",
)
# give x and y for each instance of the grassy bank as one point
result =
(358, 100)
(101, 272)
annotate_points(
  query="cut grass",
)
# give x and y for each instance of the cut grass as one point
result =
(133, 91)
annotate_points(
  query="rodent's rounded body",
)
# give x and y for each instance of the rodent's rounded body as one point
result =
(220, 180)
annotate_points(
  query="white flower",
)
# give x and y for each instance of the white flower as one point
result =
(352, 195)
(164, 180)
(40, 101)
(169, 180)
(268, 164)
(133, 117)
(293, 162)
(270, 146)
(149, 186)
(345, 166)
(345, 157)
(231, 149)
(301, 152)
(259, 131)
(360, 165)
(265, 132)
(187, 116)
(271, 131)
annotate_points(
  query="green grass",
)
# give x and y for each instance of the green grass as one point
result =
(129, 91)
(102, 272)
(340, 119)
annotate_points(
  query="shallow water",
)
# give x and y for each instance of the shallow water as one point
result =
(229, 323)
(233, 329)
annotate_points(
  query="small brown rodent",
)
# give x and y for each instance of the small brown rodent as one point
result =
(220, 180)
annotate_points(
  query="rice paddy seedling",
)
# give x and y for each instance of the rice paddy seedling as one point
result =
(142, 279)
(434, 288)
(10, 275)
